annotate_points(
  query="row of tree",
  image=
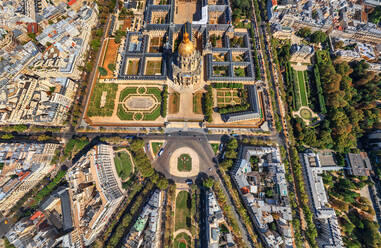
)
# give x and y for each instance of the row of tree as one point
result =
(207, 103)
(234, 108)
(143, 164)
(164, 101)
(128, 216)
(227, 85)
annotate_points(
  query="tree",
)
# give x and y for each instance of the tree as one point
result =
(7, 244)
(32, 36)
(102, 71)
(375, 15)
(208, 104)
(136, 144)
(208, 182)
(339, 44)
(95, 44)
(232, 144)
(43, 137)
(111, 67)
(226, 164)
(254, 159)
(162, 183)
(7, 136)
(304, 32)
(118, 39)
(231, 154)
(17, 128)
(318, 37)
(269, 193)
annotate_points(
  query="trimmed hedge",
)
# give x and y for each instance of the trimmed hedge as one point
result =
(125, 92)
(123, 115)
(227, 85)
(208, 104)
(319, 88)
(233, 109)
(164, 100)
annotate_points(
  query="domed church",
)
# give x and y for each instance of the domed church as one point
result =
(187, 67)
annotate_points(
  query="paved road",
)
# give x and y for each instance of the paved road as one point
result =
(5, 225)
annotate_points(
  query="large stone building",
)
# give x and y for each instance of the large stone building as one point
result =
(183, 49)
(187, 70)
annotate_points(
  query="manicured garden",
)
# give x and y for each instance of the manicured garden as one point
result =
(182, 240)
(232, 100)
(123, 164)
(183, 211)
(127, 91)
(144, 115)
(95, 108)
(240, 71)
(220, 70)
(217, 41)
(227, 97)
(184, 162)
(237, 41)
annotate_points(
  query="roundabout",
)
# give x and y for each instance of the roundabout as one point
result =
(306, 113)
(192, 144)
(184, 162)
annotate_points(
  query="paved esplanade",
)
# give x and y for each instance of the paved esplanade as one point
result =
(199, 146)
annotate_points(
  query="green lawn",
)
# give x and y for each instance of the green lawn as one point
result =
(182, 240)
(306, 114)
(123, 115)
(184, 162)
(123, 164)
(156, 146)
(183, 210)
(95, 108)
(127, 91)
(215, 148)
(302, 88)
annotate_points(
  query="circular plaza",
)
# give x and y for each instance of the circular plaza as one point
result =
(184, 162)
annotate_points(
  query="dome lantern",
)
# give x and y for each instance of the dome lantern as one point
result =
(186, 47)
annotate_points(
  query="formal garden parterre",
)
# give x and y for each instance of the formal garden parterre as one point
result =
(136, 93)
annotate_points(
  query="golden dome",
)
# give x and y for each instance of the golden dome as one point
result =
(186, 47)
